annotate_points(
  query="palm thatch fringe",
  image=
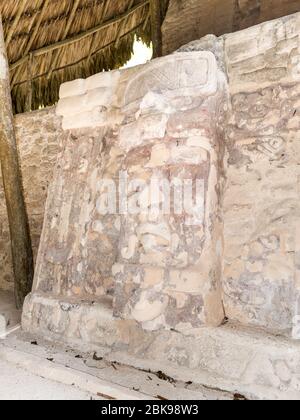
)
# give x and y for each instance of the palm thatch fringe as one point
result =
(43, 23)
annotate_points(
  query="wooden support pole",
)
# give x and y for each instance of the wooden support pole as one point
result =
(146, 21)
(156, 22)
(12, 182)
(29, 84)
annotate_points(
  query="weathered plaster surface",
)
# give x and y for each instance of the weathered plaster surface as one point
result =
(260, 206)
(38, 143)
(168, 273)
(261, 203)
(79, 246)
(224, 111)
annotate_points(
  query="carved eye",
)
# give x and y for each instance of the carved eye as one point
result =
(275, 143)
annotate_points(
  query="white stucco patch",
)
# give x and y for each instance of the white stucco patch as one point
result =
(3, 67)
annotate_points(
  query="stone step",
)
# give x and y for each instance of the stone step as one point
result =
(97, 375)
(10, 317)
(233, 359)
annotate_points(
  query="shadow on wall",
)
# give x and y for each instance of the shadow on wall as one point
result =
(188, 20)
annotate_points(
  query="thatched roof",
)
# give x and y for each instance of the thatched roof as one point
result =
(53, 41)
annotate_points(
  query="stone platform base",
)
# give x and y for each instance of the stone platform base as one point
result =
(229, 358)
(10, 317)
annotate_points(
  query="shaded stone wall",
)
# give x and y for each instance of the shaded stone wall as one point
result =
(188, 20)
(38, 141)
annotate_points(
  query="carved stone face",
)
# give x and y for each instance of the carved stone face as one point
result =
(170, 275)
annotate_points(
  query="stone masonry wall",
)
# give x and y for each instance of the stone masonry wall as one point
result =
(162, 120)
(221, 110)
(38, 141)
(261, 204)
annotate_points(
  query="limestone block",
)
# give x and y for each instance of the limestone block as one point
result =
(94, 118)
(187, 281)
(188, 155)
(149, 308)
(81, 97)
(146, 128)
(83, 103)
(274, 59)
(99, 97)
(183, 74)
(3, 326)
(255, 364)
(71, 105)
(74, 88)
(103, 80)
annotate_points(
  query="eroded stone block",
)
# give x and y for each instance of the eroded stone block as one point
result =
(74, 88)
(184, 74)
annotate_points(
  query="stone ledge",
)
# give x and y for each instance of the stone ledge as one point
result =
(122, 379)
(82, 86)
(10, 317)
(231, 358)
(67, 376)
